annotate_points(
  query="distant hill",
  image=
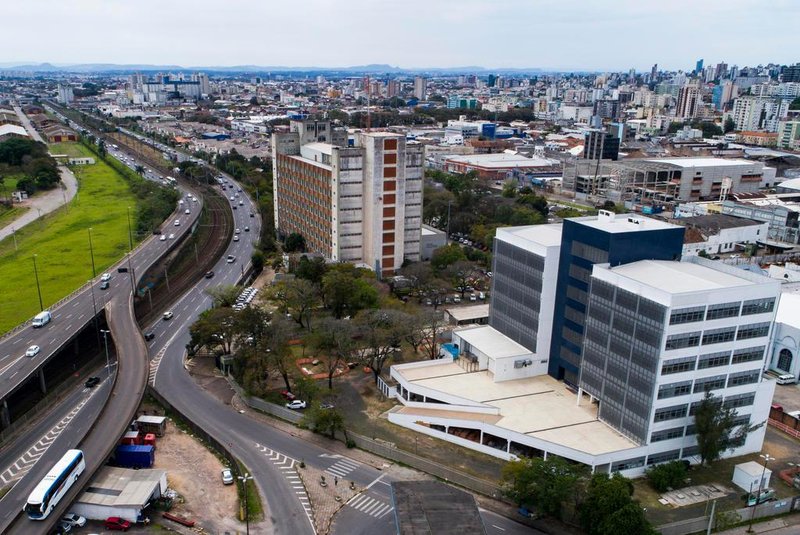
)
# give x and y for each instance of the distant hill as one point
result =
(357, 69)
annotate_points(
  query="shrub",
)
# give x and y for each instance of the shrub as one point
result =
(667, 475)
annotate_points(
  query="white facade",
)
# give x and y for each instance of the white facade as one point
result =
(759, 113)
(727, 240)
(785, 347)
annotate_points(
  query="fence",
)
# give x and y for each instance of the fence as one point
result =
(386, 450)
(791, 431)
(736, 516)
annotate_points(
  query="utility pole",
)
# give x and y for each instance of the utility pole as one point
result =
(38, 287)
(244, 479)
(105, 340)
(130, 232)
(91, 252)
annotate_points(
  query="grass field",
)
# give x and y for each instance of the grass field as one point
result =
(61, 241)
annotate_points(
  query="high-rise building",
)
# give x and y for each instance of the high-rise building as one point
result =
(654, 72)
(586, 241)
(65, 94)
(420, 88)
(392, 88)
(791, 73)
(600, 145)
(723, 94)
(789, 135)
(722, 70)
(698, 67)
(360, 203)
(759, 113)
(688, 101)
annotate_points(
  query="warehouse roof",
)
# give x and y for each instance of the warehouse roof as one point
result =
(434, 508)
(114, 486)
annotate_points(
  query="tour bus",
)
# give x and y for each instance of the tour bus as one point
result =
(54, 486)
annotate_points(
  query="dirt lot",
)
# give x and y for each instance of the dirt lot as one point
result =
(194, 472)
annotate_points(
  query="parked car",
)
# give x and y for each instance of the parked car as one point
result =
(115, 523)
(227, 477)
(296, 404)
(288, 395)
(74, 520)
(209, 274)
(90, 383)
(32, 351)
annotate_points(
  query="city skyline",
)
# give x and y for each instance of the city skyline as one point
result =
(439, 35)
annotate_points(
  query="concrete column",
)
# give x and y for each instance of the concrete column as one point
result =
(545, 455)
(580, 395)
(42, 383)
(481, 439)
(5, 416)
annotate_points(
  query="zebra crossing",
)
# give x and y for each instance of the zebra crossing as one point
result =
(368, 505)
(342, 467)
(26, 461)
(286, 465)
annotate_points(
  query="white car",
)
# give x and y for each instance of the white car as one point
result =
(32, 351)
(168, 315)
(231, 259)
(227, 477)
(296, 404)
(187, 212)
(237, 231)
(236, 238)
(162, 238)
(74, 520)
(172, 236)
(105, 277)
(177, 222)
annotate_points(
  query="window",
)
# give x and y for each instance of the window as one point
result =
(724, 310)
(714, 360)
(748, 354)
(684, 364)
(739, 400)
(758, 306)
(675, 389)
(678, 341)
(718, 336)
(687, 315)
(663, 457)
(755, 330)
(670, 413)
(627, 464)
(587, 252)
(709, 383)
(744, 378)
(666, 434)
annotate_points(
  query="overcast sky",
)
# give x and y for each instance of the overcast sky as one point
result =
(550, 34)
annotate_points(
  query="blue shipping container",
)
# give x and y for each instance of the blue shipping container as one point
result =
(131, 456)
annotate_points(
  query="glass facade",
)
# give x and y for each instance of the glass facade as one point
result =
(516, 293)
(621, 357)
(582, 246)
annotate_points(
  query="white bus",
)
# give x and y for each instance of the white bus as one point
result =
(55, 485)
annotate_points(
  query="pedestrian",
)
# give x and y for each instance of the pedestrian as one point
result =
(335, 481)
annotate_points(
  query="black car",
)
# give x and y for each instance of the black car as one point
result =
(252, 214)
(156, 232)
(209, 274)
(149, 335)
(91, 381)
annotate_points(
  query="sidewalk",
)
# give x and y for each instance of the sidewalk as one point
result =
(44, 203)
(787, 525)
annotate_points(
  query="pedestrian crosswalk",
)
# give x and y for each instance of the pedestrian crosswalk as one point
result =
(370, 506)
(286, 465)
(342, 467)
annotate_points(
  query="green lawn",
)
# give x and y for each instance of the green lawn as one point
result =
(61, 241)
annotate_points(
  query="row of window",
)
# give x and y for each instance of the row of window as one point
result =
(717, 336)
(712, 360)
(715, 382)
(722, 310)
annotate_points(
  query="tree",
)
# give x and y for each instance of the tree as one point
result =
(139, 169)
(543, 484)
(281, 330)
(333, 339)
(717, 428)
(305, 388)
(434, 324)
(298, 298)
(101, 148)
(325, 421)
(346, 293)
(312, 270)
(258, 259)
(667, 475)
(295, 243)
(461, 273)
(224, 295)
(609, 509)
(446, 255)
(379, 333)
(509, 189)
(730, 125)
(795, 104)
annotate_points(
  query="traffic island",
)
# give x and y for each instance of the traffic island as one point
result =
(327, 494)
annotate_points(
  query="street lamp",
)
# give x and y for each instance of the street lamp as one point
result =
(38, 287)
(91, 252)
(130, 233)
(244, 479)
(767, 458)
(105, 340)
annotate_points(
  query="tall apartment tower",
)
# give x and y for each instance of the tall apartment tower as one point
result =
(688, 101)
(420, 88)
(359, 204)
(586, 241)
(660, 334)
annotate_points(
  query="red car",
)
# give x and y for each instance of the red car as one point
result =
(115, 523)
(288, 395)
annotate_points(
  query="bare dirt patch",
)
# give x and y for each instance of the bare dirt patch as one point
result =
(194, 472)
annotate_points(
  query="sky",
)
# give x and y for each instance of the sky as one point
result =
(596, 35)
